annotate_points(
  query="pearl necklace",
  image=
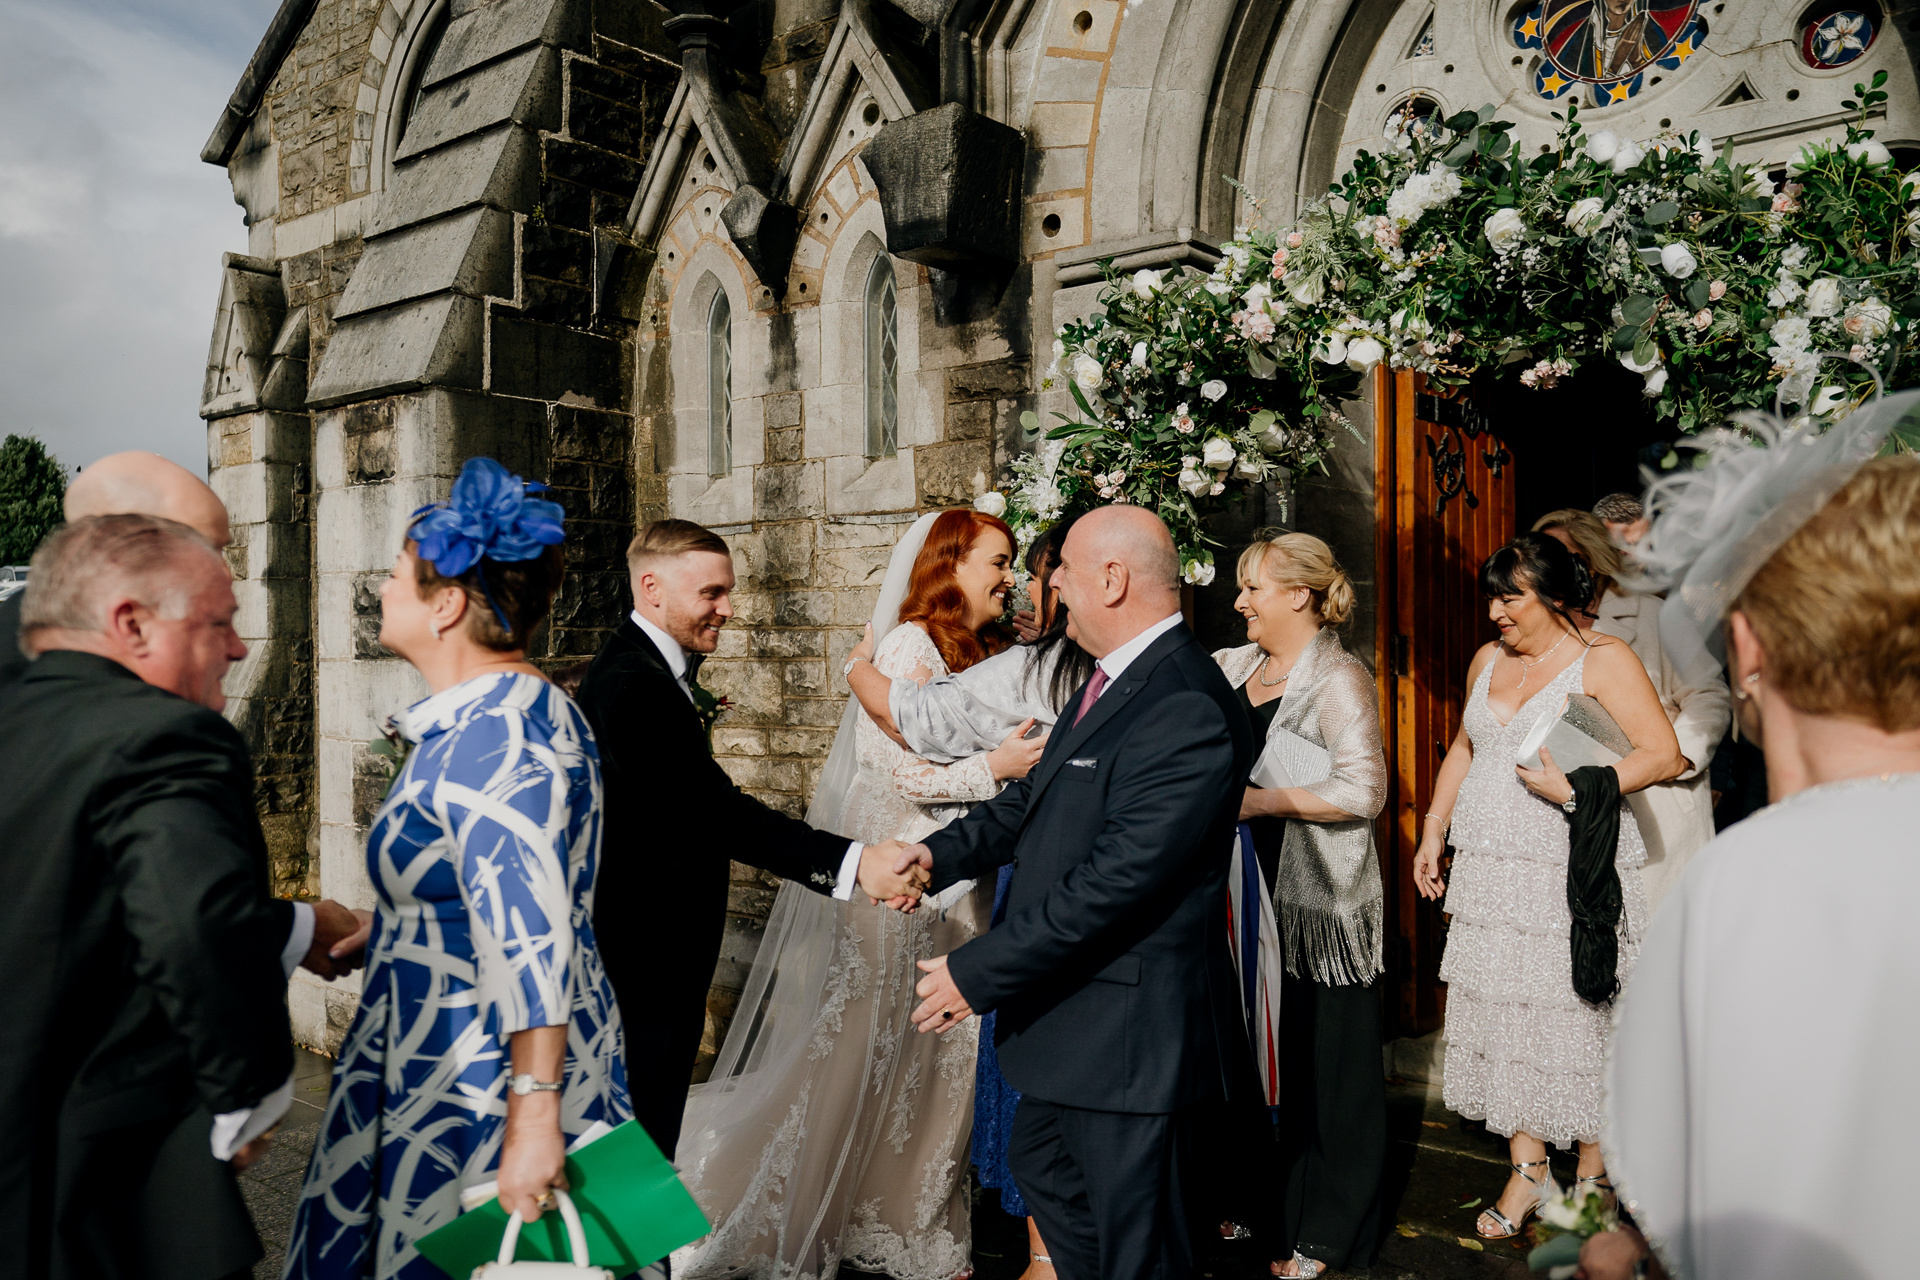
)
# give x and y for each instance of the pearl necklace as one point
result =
(1526, 668)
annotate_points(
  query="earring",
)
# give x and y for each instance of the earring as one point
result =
(436, 631)
(1741, 695)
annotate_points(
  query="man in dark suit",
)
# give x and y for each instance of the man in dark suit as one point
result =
(144, 1046)
(1110, 970)
(145, 483)
(674, 818)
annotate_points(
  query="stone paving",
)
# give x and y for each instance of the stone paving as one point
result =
(1437, 1167)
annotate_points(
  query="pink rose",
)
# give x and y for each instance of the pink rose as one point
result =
(1716, 291)
(1704, 318)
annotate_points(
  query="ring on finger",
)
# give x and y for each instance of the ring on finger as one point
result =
(543, 1201)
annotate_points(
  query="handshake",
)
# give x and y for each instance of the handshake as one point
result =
(895, 873)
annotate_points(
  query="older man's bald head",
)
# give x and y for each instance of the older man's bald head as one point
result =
(137, 483)
(1135, 537)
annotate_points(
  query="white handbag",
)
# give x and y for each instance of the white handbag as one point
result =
(505, 1268)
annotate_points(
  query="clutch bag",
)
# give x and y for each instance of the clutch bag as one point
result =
(1289, 760)
(1578, 731)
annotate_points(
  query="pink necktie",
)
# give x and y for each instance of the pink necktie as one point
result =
(1092, 695)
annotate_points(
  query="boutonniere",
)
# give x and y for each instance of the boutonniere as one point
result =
(709, 707)
(392, 748)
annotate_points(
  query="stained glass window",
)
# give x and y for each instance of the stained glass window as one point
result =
(883, 361)
(720, 386)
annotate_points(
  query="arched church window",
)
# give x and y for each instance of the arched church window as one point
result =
(883, 361)
(425, 47)
(720, 386)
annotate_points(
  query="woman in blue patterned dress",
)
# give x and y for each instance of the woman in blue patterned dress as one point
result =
(487, 1039)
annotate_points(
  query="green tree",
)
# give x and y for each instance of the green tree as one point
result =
(31, 486)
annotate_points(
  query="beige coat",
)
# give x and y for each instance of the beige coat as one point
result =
(1675, 817)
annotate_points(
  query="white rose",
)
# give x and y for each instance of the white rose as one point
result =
(1255, 296)
(1198, 574)
(1809, 155)
(1212, 389)
(1217, 453)
(1678, 261)
(1602, 145)
(1823, 297)
(1583, 218)
(1627, 156)
(1656, 382)
(1505, 228)
(1195, 482)
(1145, 284)
(1873, 153)
(1248, 466)
(1626, 358)
(1827, 399)
(1364, 352)
(1273, 439)
(1087, 372)
(1868, 319)
(1139, 355)
(991, 503)
(1308, 291)
(1059, 350)
(1335, 349)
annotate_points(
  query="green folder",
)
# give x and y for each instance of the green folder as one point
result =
(630, 1200)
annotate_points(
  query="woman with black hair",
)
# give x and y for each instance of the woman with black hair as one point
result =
(1524, 1049)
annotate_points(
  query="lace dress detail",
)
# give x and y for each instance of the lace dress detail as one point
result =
(1524, 1052)
(862, 1156)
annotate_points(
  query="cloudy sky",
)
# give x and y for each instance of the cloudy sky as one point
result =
(111, 229)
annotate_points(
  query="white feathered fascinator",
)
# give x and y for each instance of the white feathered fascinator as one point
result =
(1715, 525)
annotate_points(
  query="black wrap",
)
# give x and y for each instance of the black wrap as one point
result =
(1593, 882)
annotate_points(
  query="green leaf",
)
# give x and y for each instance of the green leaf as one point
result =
(1661, 214)
(1637, 310)
(1461, 121)
(1644, 350)
(1030, 420)
(1697, 292)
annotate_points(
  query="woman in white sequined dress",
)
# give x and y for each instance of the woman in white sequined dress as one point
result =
(1524, 1051)
(832, 1134)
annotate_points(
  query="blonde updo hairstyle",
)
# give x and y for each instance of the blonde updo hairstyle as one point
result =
(1837, 608)
(1300, 560)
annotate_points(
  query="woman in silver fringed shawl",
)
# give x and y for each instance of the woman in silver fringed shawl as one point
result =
(1315, 843)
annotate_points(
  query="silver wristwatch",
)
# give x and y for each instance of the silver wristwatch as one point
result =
(1569, 804)
(524, 1084)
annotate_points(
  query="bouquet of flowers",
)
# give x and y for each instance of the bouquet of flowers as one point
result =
(1451, 253)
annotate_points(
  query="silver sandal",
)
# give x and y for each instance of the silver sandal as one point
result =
(1541, 1190)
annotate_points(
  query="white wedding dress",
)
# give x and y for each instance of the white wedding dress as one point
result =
(834, 1133)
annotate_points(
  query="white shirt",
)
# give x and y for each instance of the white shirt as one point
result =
(670, 652)
(1115, 664)
(676, 659)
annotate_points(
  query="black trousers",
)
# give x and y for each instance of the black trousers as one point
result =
(1104, 1188)
(1333, 1121)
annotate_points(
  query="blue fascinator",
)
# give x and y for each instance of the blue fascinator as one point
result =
(491, 516)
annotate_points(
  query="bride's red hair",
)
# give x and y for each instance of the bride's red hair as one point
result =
(934, 598)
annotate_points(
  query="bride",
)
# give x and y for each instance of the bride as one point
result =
(830, 1132)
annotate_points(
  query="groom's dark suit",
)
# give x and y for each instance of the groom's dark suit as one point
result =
(673, 820)
(1110, 971)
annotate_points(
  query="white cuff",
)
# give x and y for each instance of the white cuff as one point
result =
(849, 873)
(233, 1130)
(299, 941)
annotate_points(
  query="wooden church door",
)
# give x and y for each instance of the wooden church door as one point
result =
(1444, 501)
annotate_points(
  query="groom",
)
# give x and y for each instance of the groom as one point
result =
(674, 818)
(1110, 971)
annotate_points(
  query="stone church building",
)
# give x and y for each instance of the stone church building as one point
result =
(792, 269)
